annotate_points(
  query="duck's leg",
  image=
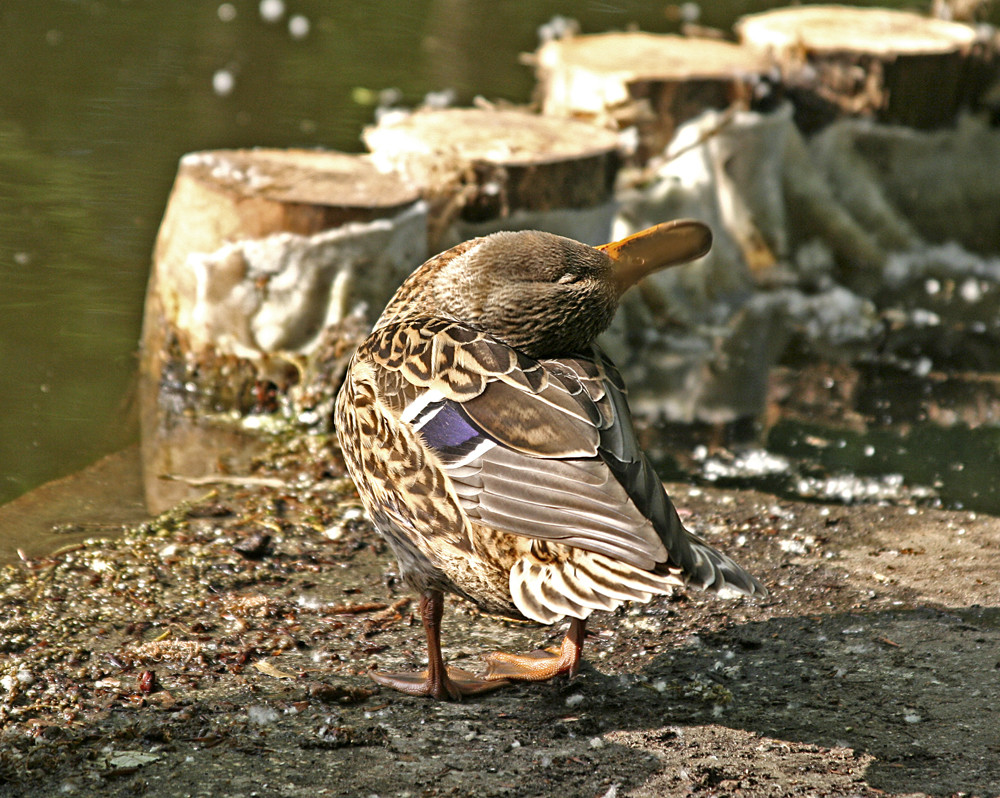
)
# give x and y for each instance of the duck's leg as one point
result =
(438, 681)
(540, 665)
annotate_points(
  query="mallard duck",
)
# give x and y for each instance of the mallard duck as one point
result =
(493, 447)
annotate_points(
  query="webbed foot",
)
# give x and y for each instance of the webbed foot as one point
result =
(539, 666)
(450, 685)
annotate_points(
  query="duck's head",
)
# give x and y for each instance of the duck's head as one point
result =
(540, 293)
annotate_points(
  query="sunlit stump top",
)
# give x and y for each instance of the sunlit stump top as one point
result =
(895, 66)
(240, 222)
(485, 168)
(650, 81)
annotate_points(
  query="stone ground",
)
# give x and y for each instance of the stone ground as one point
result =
(222, 650)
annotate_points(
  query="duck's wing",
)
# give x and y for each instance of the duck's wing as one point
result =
(620, 453)
(541, 449)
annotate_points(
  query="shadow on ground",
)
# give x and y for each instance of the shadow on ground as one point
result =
(911, 693)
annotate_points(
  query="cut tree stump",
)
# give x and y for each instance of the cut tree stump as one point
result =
(484, 169)
(253, 241)
(261, 258)
(648, 81)
(894, 66)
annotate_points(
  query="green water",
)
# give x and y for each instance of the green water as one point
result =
(98, 101)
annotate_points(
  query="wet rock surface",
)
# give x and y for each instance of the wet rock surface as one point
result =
(222, 650)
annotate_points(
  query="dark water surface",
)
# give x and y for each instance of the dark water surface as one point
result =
(98, 101)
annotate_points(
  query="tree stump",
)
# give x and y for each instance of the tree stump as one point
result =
(895, 66)
(260, 260)
(486, 169)
(253, 241)
(648, 81)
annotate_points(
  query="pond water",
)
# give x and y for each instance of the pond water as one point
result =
(99, 100)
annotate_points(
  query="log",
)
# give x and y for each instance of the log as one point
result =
(260, 260)
(648, 81)
(941, 186)
(484, 169)
(894, 66)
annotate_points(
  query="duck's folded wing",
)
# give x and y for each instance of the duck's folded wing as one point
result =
(542, 449)
(619, 449)
(546, 450)
(611, 502)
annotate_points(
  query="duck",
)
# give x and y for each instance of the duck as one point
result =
(492, 446)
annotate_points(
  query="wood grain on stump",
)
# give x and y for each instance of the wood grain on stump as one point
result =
(896, 66)
(650, 81)
(481, 165)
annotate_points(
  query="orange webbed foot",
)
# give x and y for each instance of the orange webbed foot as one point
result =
(538, 666)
